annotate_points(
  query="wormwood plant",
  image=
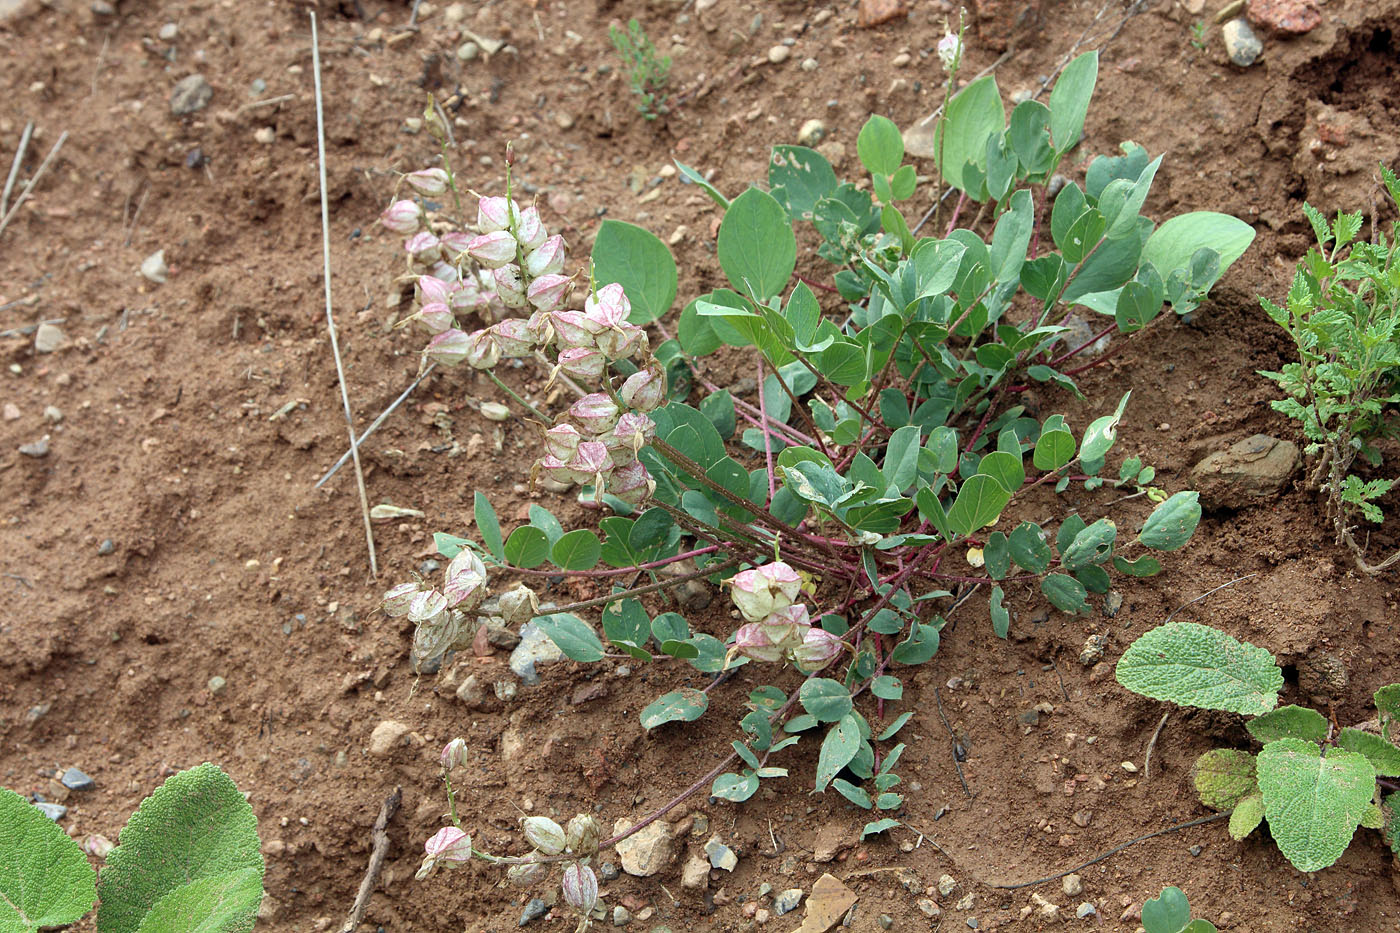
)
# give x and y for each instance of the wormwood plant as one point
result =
(647, 74)
(187, 859)
(883, 447)
(1342, 313)
(1314, 784)
(1170, 913)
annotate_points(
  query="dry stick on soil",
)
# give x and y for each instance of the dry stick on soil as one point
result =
(24, 195)
(14, 166)
(136, 216)
(1147, 759)
(380, 842)
(1205, 594)
(953, 747)
(326, 274)
(376, 423)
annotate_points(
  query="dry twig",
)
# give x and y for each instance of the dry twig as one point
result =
(24, 195)
(380, 848)
(14, 167)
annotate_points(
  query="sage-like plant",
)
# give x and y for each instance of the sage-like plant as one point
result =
(870, 472)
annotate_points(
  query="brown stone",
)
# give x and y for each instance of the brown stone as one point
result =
(1256, 468)
(1285, 17)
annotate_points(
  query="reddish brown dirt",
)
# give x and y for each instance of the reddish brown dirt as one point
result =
(226, 563)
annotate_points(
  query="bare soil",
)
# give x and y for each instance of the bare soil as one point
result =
(197, 415)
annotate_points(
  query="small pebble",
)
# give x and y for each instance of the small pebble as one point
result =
(74, 779)
(190, 95)
(1195, 851)
(106, 547)
(39, 448)
(810, 64)
(608, 872)
(621, 916)
(265, 135)
(902, 59)
(54, 811)
(972, 923)
(779, 54)
(468, 51)
(946, 884)
(494, 411)
(1241, 44)
(48, 338)
(787, 901)
(928, 908)
(53, 414)
(153, 267)
(1085, 910)
(217, 685)
(534, 909)
(168, 32)
(886, 921)
(1072, 885)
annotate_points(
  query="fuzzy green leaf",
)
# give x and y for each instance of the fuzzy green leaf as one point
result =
(1223, 777)
(684, 705)
(1289, 722)
(214, 904)
(1383, 756)
(197, 826)
(1196, 665)
(45, 880)
(1390, 808)
(1247, 816)
(1313, 802)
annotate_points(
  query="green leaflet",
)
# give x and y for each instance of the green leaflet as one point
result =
(1196, 665)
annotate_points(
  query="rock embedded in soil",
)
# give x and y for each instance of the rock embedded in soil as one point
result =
(386, 737)
(621, 916)
(190, 95)
(1072, 885)
(1252, 470)
(811, 133)
(1323, 676)
(779, 54)
(720, 855)
(54, 811)
(48, 338)
(1285, 17)
(1093, 650)
(1241, 44)
(946, 885)
(786, 902)
(535, 648)
(39, 448)
(647, 851)
(153, 267)
(695, 874)
(75, 779)
(534, 909)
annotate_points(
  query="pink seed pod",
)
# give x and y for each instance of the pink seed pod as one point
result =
(759, 592)
(582, 363)
(454, 754)
(465, 583)
(589, 461)
(492, 250)
(631, 434)
(645, 389)
(463, 561)
(631, 483)
(544, 834)
(509, 288)
(483, 352)
(541, 328)
(423, 247)
(399, 599)
(788, 626)
(431, 289)
(493, 214)
(818, 649)
(455, 243)
(561, 441)
(622, 341)
(595, 413)
(580, 888)
(448, 348)
(428, 604)
(527, 874)
(547, 258)
(449, 846)
(447, 273)
(547, 292)
(513, 337)
(429, 181)
(555, 469)
(402, 217)
(436, 317)
(573, 329)
(528, 228)
(752, 641)
(469, 298)
(609, 307)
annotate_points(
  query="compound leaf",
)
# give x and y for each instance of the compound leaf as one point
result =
(1196, 665)
(1313, 802)
(45, 880)
(196, 827)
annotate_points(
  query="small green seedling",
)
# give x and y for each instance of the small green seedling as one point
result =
(188, 859)
(1198, 34)
(1314, 787)
(1170, 913)
(647, 74)
(1343, 315)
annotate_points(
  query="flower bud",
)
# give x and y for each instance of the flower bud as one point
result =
(455, 243)
(448, 845)
(609, 307)
(527, 874)
(752, 641)
(528, 228)
(630, 436)
(449, 347)
(818, 649)
(426, 605)
(580, 887)
(492, 250)
(631, 483)
(764, 590)
(428, 181)
(547, 292)
(547, 258)
(454, 754)
(622, 341)
(574, 329)
(949, 51)
(519, 606)
(436, 316)
(399, 599)
(482, 352)
(402, 217)
(544, 834)
(423, 247)
(590, 460)
(645, 389)
(509, 288)
(595, 413)
(582, 835)
(513, 337)
(582, 363)
(493, 214)
(561, 441)
(433, 289)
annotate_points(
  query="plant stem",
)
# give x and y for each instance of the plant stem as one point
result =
(767, 434)
(649, 588)
(613, 572)
(511, 392)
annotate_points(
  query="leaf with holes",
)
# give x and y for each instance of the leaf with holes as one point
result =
(684, 705)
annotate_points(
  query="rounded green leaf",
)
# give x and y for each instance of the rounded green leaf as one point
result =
(635, 259)
(684, 705)
(1168, 913)
(880, 146)
(1028, 548)
(974, 114)
(1172, 523)
(825, 699)
(1053, 449)
(1171, 246)
(1093, 545)
(1065, 593)
(577, 550)
(528, 546)
(489, 525)
(1223, 777)
(1196, 665)
(1313, 802)
(804, 177)
(730, 786)
(979, 502)
(1247, 816)
(757, 248)
(196, 826)
(572, 635)
(1069, 103)
(45, 880)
